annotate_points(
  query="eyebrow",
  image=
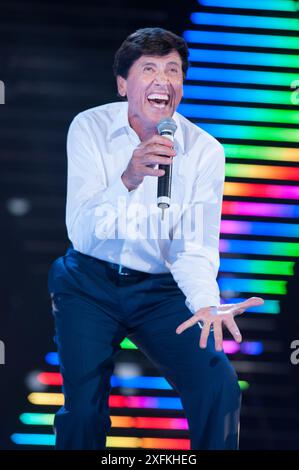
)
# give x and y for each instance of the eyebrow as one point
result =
(153, 63)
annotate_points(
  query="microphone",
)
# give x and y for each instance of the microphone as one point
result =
(166, 128)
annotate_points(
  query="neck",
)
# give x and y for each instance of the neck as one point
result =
(143, 130)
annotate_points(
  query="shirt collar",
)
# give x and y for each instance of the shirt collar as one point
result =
(121, 123)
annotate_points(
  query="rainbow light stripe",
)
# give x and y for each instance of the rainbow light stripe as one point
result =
(111, 441)
(240, 170)
(261, 190)
(260, 209)
(139, 422)
(145, 382)
(259, 228)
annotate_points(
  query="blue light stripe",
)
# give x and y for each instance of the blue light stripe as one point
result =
(237, 94)
(269, 306)
(233, 131)
(260, 247)
(255, 348)
(244, 21)
(238, 113)
(240, 76)
(245, 58)
(34, 439)
(241, 39)
(279, 5)
(141, 382)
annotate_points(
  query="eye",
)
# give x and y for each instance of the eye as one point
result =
(148, 68)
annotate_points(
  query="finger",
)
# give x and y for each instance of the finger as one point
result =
(252, 301)
(159, 139)
(157, 160)
(218, 335)
(153, 172)
(233, 329)
(158, 149)
(204, 335)
(187, 324)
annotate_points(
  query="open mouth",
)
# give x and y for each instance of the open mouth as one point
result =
(158, 100)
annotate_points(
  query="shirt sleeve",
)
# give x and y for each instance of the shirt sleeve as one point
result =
(91, 204)
(193, 257)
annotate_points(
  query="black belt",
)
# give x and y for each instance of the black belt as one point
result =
(123, 270)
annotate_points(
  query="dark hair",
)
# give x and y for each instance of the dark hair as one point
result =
(148, 41)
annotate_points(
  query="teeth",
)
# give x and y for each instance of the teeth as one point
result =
(159, 105)
(156, 96)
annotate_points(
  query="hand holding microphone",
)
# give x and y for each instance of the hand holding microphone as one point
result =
(155, 151)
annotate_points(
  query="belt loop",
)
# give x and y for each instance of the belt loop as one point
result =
(120, 271)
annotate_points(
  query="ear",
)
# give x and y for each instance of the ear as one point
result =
(121, 86)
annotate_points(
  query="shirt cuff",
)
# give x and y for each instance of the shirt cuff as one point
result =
(202, 301)
(117, 189)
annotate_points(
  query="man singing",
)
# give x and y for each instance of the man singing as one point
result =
(131, 273)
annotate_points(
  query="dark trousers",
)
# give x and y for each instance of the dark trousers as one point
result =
(94, 309)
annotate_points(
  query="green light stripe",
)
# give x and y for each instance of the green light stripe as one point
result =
(283, 268)
(261, 286)
(280, 5)
(41, 419)
(261, 153)
(233, 131)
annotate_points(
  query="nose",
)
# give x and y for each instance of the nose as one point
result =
(161, 77)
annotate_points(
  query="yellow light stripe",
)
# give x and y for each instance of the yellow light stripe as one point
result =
(37, 398)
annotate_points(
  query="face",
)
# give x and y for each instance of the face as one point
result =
(154, 88)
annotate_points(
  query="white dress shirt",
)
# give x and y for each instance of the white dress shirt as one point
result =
(106, 221)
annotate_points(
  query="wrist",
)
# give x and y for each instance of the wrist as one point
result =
(127, 184)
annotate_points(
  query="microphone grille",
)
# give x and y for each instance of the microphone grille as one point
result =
(166, 125)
